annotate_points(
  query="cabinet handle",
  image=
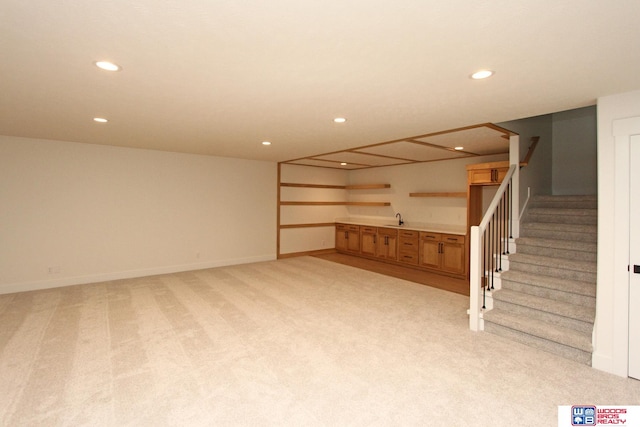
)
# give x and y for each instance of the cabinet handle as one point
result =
(375, 239)
(346, 235)
(440, 248)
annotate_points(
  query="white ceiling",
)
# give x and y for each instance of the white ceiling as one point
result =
(219, 77)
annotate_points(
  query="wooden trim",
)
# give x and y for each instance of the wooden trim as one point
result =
(532, 147)
(307, 253)
(384, 156)
(461, 194)
(489, 125)
(335, 203)
(315, 224)
(367, 186)
(278, 213)
(291, 184)
(489, 165)
(337, 187)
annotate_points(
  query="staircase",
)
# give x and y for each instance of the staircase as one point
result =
(547, 298)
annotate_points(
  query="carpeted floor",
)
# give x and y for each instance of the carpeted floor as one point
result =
(298, 342)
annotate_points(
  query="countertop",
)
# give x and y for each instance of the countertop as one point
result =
(408, 225)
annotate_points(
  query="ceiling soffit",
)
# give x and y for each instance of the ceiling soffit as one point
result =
(478, 140)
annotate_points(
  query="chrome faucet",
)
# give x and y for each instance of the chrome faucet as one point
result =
(400, 221)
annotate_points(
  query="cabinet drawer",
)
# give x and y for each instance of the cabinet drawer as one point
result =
(366, 229)
(388, 231)
(425, 235)
(409, 245)
(347, 227)
(452, 238)
(409, 258)
(409, 234)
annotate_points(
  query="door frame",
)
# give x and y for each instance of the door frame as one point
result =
(623, 130)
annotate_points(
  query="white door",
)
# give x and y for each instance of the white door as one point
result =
(634, 258)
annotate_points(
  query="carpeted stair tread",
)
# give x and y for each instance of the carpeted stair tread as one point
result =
(549, 282)
(563, 202)
(541, 329)
(558, 349)
(559, 308)
(558, 253)
(563, 263)
(563, 216)
(558, 244)
(563, 211)
(571, 228)
(552, 294)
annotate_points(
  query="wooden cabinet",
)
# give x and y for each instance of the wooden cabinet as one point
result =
(438, 252)
(480, 176)
(348, 238)
(444, 252)
(368, 240)
(387, 245)
(487, 173)
(408, 246)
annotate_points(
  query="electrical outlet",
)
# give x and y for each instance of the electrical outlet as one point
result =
(324, 243)
(54, 270)
(197, 255)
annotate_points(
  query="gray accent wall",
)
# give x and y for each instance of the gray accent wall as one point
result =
(575, 147)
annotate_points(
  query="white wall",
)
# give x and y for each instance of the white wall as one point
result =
(442, 176)
(575, 152)
(611, 337)
(75, 213)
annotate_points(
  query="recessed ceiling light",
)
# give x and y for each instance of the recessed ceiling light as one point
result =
(100, 120)
(343, 164)
(266, 143)
(109, 66)
(482, 74)
(339, 120)
(458, 148)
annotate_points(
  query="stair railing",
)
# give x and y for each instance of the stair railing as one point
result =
(489, 241)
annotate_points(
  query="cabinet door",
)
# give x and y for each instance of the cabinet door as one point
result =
(387, 243)
(500, 174)
(481, 176)
(430, 253)
(353, 241)
(487, 176)
(341, 238)
(453, 259)
(368, 239)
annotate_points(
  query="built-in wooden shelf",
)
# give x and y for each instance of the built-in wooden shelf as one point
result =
(337, 187)
(291, 184)
(335, 203)
(367, 186)
(460, 194)
(315, 224)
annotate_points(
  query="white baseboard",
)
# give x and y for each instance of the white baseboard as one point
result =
(605, 363)
(130, 274)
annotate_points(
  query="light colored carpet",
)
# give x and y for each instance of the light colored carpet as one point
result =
(299, 342)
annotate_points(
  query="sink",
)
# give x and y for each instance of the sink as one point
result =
(393, 225)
